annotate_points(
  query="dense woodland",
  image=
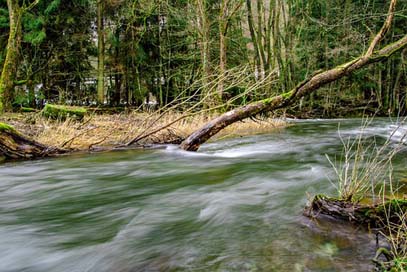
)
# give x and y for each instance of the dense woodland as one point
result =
(211, 54)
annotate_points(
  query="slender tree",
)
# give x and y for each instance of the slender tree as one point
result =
(101, 53)
(9, 70)
(308, 86)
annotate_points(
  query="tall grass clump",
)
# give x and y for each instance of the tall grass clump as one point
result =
(364, 164)
(393, 257)
(396, 236)
(365, 170)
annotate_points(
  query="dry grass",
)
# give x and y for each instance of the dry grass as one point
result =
(364, 165)
(395, 231)
(119, 129)
(397, 238)
(393, 257)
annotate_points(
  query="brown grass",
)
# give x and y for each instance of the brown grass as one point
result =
(118, 129)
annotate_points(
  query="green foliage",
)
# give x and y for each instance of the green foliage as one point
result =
(52, 7)
(35, 37)
(20, 99)
(155, 47)
(4, 21)
(34, 29)
(63, 112)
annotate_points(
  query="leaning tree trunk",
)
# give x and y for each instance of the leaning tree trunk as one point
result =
(193, 142)
(15, 146)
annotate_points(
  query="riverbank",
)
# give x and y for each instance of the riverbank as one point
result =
(118, 129)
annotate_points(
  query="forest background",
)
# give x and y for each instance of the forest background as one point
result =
(200, 53)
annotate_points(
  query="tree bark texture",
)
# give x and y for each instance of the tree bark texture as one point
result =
(101, 54)
(9, 71)
(222, 45)
(15, 146)
(204, 41)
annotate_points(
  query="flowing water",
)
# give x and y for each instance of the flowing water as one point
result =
(236, 205)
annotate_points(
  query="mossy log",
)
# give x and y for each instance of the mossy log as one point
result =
(372, 216)
(63, 112)
(15, 146)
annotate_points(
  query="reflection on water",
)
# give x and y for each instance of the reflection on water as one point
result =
(234, 206)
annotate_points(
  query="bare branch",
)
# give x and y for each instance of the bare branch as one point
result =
(385, 28)
(193, 142)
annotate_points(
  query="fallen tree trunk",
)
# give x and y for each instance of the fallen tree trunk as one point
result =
(193, 142)
(15, 146)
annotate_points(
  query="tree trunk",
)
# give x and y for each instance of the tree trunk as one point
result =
(222, 46)
(253, 36)
(193, 142)
(15, 146)
(9, 71)
(101, 54)
(204, 41)
(306, 87)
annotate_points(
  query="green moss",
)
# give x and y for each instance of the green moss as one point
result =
(25, 109)
(267, 100)
(63, 112)
(394, 206)
(287, 94)
(5, 127)
(283, 95)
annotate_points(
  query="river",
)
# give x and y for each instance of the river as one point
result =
(236, 205)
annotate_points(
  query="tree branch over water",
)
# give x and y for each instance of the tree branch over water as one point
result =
(313, 83)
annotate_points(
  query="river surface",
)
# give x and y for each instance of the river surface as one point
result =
(236, 205)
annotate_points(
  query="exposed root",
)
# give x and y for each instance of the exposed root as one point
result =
(372, 216)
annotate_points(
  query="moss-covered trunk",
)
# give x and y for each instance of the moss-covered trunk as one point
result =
(308, 86)
(9, 71)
